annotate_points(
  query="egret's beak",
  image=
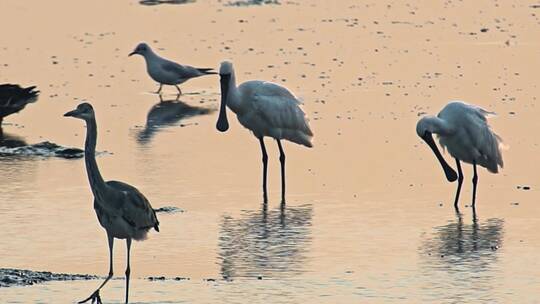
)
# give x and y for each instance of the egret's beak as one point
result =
(222, 124)
(72, 113)
(448, 171)
(133, 53)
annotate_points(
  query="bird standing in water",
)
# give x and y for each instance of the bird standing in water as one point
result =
(121, 209)
(267, 109)
(463, 130)
(165, 71)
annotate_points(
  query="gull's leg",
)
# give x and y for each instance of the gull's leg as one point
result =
(265, 167)
(460, 182)
(159, 90)
(95, 296)
(128, 270)
(178, 88)
(282, 161)
(475, 182)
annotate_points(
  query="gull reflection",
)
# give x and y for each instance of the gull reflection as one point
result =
(167, 113)
(461, 255)
(265, 243)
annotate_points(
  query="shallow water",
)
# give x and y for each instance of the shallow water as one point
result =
(369, 216)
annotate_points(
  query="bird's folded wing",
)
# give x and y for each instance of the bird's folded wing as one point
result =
(280, 108)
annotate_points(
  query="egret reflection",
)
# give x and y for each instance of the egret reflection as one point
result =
(266, 243)
(167, 113)
(460, 258)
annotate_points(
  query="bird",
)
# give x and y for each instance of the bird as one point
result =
(268, 110)
(463, 130)
(165, 71)
(13, 98)
(122, 210)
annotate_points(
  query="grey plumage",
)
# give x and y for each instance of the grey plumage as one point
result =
(167, 72)
(122, 210)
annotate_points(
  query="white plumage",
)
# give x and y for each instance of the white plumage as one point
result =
(463, 130)
(267, 109)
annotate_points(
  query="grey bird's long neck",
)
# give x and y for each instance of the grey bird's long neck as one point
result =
(96, 180)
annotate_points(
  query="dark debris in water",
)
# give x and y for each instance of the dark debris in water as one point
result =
(252, 2)
(45, 148)
(168, 209)
(157, 2)
(19, 277)
(166, 279)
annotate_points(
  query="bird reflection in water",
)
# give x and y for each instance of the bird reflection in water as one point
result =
(167, 113)
(459, 256)
(11, 141)
(265, 243)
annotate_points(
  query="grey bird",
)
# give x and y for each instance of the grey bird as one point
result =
(121, 209)
(13, 98)
(165, 71)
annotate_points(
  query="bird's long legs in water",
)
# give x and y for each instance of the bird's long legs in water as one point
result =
(282, 161)
(95, 297)
(179, 91)
(460, 182)
(265, 168)
(128, 270)
(475, 182)
(159, 90)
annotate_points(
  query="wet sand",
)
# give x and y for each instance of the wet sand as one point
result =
(369, 216)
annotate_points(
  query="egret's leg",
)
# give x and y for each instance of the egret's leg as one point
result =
(159, 90)
(128, 270)
(265, 167)
(282, 161)
(179, 91)
(475, 182)
(460, 181)
(95, 296)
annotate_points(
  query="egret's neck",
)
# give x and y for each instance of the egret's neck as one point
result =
(233, 95)
(94, 176)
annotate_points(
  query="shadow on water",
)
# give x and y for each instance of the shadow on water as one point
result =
(167, 113)
(157, 2)
(460, 258)
(265, 243)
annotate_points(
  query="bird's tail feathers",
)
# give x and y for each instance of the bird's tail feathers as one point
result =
(206, 71)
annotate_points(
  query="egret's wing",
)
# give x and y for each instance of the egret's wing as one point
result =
(279, 107)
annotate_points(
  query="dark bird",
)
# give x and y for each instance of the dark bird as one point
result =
(121, 209)
(13, 98)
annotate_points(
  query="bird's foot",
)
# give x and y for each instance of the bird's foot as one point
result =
(94, 297)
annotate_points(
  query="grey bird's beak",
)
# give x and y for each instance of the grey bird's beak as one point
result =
(451, 175)
(71, 113)
(222, 124)
(132, 53)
